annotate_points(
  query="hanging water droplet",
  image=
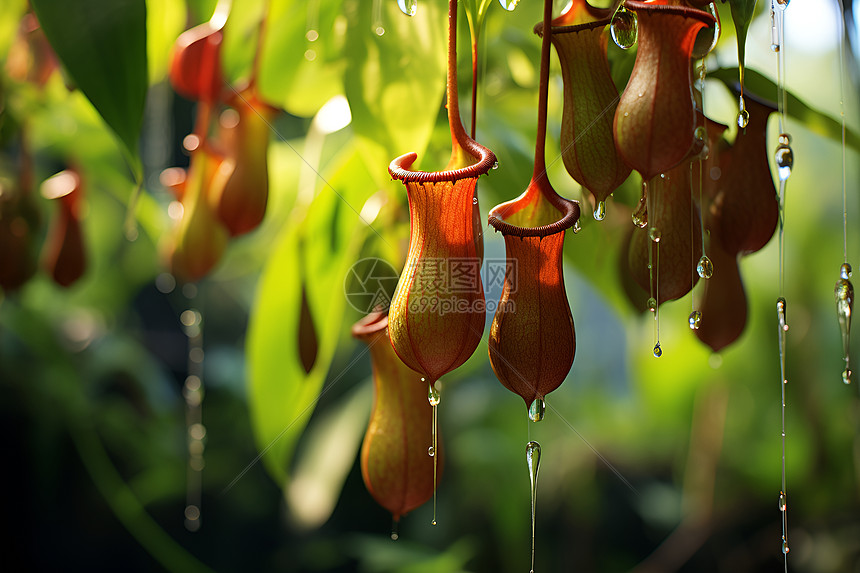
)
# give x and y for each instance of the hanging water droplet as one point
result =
(844, 292)
(784, 546)
(780, 313)
(474, 200)
(509, 5)
(782, 4)
(782, 501)
(533, 462)
(395, 530)
(658, 352)
(537, 410)
(433, 522)
(380, 31)
(705, 267)
(700, 133)
(652, 304)
(695, 320)
(784, 157)
(600, 211)
(431, 451)
(784, 139)
(495, 165)
(408, 7)
(640, 214)
(433, 395)
(623, 28)
(312, 35)
(654, 234)
(576, 227)
(743, 114)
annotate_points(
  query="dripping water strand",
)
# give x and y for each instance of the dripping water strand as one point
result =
(533, 461)
(784, 160)
(844, 290)
(434, 398)
(377, 25)
(192, 391)
(654, 235)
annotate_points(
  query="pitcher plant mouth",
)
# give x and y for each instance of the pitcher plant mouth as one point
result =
(486, 159)
(569, 211)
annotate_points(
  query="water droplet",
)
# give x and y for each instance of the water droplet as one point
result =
(695, 320)
(658, 352)
(652, 304)
(474, 200)
(705, 267)
(433, 395)
(782, 5)
(784, 139)
(509, 5)
(844, 293)
(654, 234)
(312, 35)
(700, 133)
(600, 211)
(431, 451)
(408, 7)
(640, 214)
(780, 313)
(785, 546)
(537, 410)
(743, 118)
(310, 55)
(533, 462)
(623, 28)
(433, 522)
(576, 227)
(395, 536)
(495, 165)
(395, 530)
(782, 500)
(784, 157)
(380, 31)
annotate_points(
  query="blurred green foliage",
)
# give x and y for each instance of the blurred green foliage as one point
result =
(91, 377)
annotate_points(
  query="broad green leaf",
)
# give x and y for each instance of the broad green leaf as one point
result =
(315, 251)
(241, 38)
(817, 122)
(165, 20)
(103, 47)
(301, 65)
(394, 82)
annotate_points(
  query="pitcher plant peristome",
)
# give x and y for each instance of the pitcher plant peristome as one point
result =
(532, 340)
(394, 463)
(434, 327)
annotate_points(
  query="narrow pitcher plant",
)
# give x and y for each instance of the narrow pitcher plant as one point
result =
(437, 312)
(655, 121)
(580, 37)
(394, 463)
(742, 215)
(671, 215)
(244, 136)
(64, 254)
(532, 340)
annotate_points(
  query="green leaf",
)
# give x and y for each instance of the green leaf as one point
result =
(315, 251)
(297, 73)
(394, 82)
(817, 122)
(165, 20)
(102, 44)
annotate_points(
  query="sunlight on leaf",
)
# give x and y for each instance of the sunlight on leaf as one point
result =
(103, 47)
